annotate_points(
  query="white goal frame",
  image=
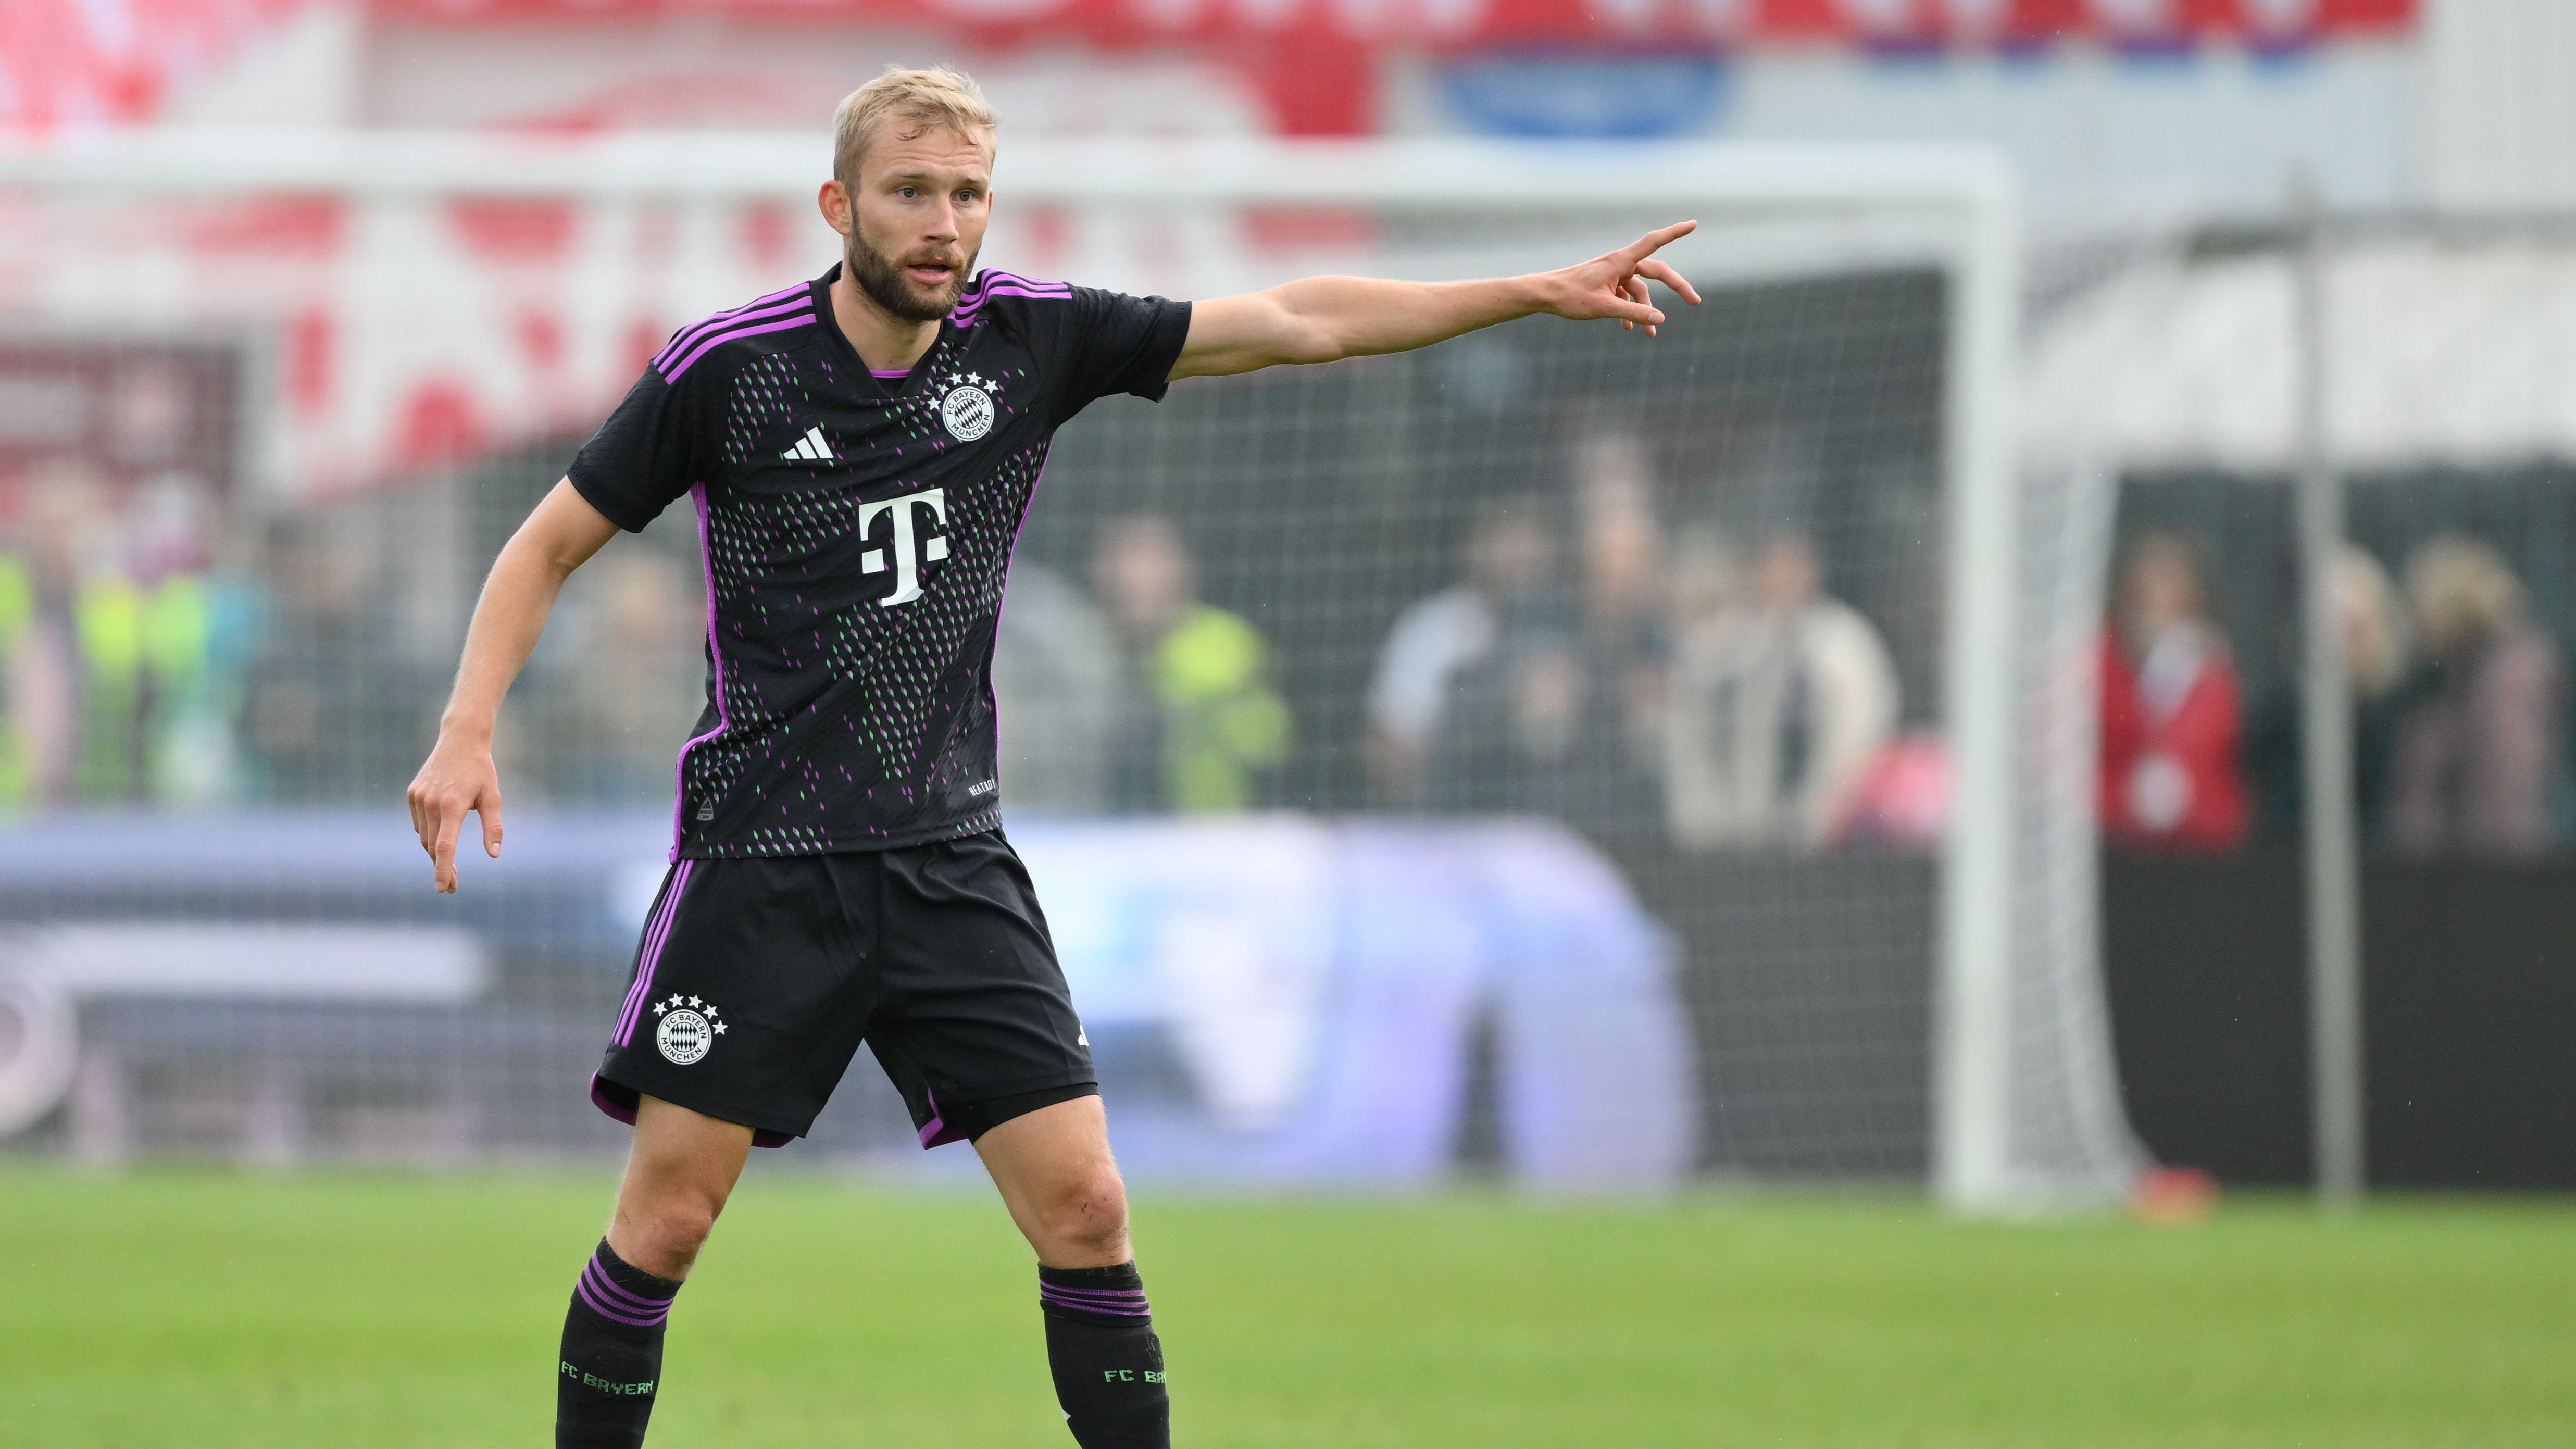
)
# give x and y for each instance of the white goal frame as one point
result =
(1968, 194)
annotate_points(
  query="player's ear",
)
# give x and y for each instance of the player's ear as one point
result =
(834, 199)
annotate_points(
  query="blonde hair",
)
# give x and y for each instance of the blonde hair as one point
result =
(921, 99)
(2462, 590)
(2376, 637)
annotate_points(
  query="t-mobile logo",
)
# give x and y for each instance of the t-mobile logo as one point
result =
(908, 559)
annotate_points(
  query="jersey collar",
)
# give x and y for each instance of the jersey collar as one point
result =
(839, 341)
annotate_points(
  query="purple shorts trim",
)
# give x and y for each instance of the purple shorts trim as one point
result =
(618, 1101)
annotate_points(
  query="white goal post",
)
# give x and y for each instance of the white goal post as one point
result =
(1962, 200)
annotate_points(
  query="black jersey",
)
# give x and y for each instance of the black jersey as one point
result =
(856, 531)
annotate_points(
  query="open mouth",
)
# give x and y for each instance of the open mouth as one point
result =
(930, 274)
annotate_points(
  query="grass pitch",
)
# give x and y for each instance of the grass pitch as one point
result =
(349, 1311)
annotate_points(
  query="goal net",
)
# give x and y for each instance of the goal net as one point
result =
(1600, 761)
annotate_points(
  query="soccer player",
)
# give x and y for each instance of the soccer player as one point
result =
(858, 451)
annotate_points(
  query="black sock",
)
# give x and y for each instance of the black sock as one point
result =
(1108, 1364)
(611, 1362)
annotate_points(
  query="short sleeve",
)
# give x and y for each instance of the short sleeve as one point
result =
(644, 456)
(1109, 342)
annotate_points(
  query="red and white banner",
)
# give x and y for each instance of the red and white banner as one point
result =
(106, 62)
(1468, 23)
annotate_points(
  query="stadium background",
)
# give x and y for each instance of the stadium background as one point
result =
(1511, 867)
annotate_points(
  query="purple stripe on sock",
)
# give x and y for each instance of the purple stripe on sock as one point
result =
(679, 369)
(606, 1287)
(598, 1292)
(696, 329)
(598, 1271)
(613, 1315)
(1049, 1298)
(1095, 1292)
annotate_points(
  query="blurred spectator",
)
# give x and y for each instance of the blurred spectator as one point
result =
(1560, 716)
(114, 636)
(2477, 762)
(1199, 726)
(2171, 716)
(636, 677)
(2375, 644)
(1058, 670)
(190, 628)
(1507, 566)
(1625, 610)
(1780, 699)
(1506, 741)
(337, 707)
(59, 542)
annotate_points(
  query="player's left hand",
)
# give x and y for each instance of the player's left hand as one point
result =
(1614, 283)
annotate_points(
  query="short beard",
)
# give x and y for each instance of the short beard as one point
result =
(884, 283)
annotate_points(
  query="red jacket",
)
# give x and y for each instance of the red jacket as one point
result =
(2171, 782)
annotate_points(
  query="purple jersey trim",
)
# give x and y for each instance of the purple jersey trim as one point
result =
(889, 376)
(997, 277)
(1004, 284)
(694, 330)
(736, 324)
(680, 369)
(966, 314)
(680, 766)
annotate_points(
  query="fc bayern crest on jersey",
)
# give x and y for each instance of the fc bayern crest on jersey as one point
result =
(688, 1029)
(967, 408)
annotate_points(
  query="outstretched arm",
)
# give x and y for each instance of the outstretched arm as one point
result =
(459, 777)
(1325, 319)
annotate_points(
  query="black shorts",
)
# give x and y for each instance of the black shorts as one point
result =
(757, 979)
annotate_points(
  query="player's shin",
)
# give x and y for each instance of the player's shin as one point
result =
(611, 1362)
(1108, 1364)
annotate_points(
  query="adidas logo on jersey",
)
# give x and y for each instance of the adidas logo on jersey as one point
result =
(811, 448)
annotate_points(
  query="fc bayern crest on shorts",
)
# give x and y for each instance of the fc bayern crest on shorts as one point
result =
(966, 409)
(688, 1029)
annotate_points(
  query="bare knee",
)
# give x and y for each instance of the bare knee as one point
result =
(663, 1219)
(1081, 1220)
(678, 1174)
